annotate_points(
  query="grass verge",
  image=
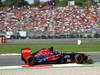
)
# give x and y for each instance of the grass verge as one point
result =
(60, 48)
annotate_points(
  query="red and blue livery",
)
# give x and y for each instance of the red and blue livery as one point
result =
(49, 56)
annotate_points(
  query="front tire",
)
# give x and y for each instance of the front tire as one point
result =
(90, 61)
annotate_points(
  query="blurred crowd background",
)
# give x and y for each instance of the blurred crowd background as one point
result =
(56, 22)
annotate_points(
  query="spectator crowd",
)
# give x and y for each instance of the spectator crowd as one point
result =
(62, 20)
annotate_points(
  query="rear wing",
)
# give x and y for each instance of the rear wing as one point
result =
(25, 52)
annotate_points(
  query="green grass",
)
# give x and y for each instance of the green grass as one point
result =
(60, 48)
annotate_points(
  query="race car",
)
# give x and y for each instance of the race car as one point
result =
(49, 56)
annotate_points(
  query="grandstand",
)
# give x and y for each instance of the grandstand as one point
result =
(61, 22)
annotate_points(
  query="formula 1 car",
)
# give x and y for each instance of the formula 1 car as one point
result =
(49, 56)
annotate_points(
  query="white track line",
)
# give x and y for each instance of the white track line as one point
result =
(49, 65)
(41, 66)
(10, 67)
(9, 54)
(67, 65)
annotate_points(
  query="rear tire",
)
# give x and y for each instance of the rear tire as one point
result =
(30, 60)
(78, 59)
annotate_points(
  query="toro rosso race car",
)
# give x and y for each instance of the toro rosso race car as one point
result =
(49, 56)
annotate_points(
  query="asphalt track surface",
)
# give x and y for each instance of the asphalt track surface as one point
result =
(14, 60)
